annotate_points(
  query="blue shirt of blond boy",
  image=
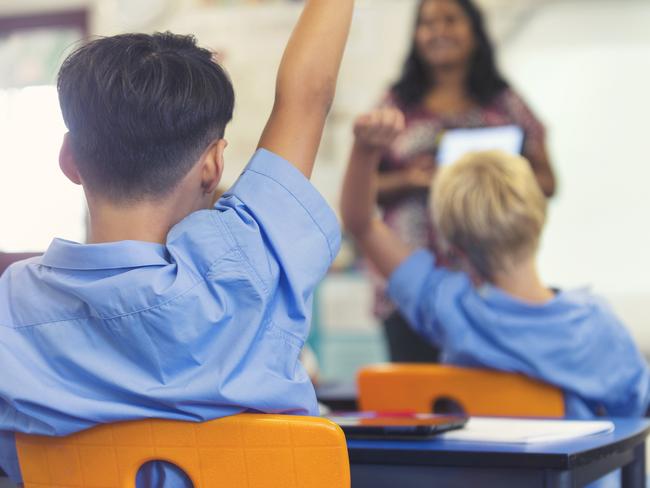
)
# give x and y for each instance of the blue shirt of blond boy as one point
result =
(489, 206)
(174, 309)
(569, 338)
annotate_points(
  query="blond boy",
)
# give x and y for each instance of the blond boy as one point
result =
(494, 312)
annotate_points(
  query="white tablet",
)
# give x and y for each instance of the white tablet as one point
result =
(457, 142)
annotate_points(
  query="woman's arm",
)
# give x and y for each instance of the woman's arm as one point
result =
(399, 182)
(373, 134)
(535, 145)
(543, 171)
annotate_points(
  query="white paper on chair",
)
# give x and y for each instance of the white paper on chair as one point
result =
(457, 142)
(526, 431)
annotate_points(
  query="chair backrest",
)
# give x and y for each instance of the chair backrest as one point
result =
(417, 387)
(243, 450)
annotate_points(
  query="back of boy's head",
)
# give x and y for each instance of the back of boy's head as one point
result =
(140, 110)
(489, 206)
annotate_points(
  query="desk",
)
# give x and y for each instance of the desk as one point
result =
(447, 464)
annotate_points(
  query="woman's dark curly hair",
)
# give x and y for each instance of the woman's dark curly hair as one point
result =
(484, 81)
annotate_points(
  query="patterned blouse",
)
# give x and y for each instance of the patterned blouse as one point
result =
(408, 214)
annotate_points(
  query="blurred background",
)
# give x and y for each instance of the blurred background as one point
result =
(582, 65)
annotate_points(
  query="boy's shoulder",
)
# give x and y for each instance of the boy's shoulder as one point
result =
(586, 300)
(570, 311)
(583, 312)
(14, 287)
(17, 271)
(272, 222)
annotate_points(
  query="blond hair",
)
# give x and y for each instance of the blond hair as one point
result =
(490, 206)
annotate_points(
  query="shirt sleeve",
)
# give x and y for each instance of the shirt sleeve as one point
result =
(414, 287)
(281, 224)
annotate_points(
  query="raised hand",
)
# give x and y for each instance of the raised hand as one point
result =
(379, 128)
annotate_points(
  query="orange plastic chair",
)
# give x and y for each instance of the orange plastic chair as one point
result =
(247, 450)
(417, 387)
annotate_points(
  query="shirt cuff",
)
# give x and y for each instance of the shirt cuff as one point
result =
(285, 174)
(407, 280)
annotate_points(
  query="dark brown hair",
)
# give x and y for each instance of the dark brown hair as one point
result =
(141, 109)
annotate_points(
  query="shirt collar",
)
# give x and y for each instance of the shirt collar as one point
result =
(112, 255)
(500, 298)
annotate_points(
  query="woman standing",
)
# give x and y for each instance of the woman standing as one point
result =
(450, 80)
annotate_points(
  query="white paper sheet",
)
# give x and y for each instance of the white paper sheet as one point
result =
(526, 431)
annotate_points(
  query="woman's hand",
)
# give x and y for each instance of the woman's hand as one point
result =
(417, 176)
(420, 172)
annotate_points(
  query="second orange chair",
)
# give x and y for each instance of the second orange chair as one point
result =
(418, 387)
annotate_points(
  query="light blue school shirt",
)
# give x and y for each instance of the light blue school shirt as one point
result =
(210, 324)
(574, 341)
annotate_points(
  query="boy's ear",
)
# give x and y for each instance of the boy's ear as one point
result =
(212, 163)
(67, 162)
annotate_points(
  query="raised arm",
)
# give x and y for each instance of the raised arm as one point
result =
(306, 82)
(373, 134)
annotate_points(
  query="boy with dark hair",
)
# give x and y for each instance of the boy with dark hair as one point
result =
(170, 310)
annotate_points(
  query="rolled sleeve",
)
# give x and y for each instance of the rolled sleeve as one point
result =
(283, 226)
(300, 196)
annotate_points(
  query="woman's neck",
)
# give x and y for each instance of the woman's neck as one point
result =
(448, 94)
(449, 78)
(522, 281)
